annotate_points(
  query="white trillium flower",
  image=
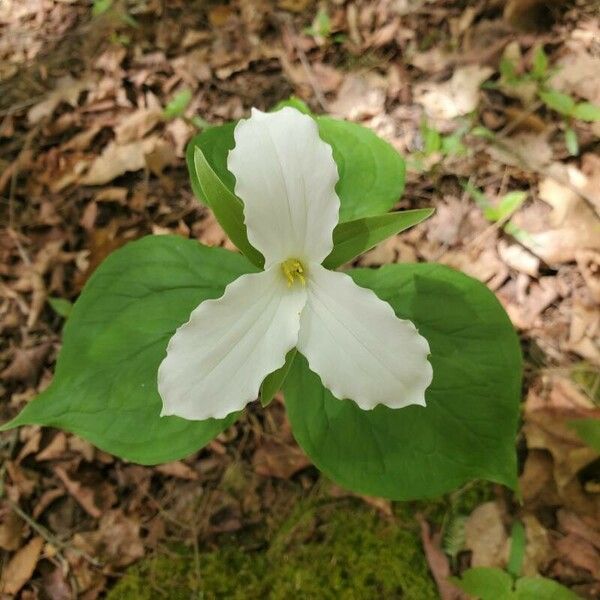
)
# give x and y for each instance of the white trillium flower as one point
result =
(286, 177)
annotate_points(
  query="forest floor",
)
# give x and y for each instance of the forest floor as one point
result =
(470, 94)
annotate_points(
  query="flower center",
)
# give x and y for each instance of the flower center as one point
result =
(293, 269)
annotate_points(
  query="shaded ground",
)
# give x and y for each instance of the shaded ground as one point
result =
(88, 162)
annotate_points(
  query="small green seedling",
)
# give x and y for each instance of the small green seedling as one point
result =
(177, 106)
(488, 583)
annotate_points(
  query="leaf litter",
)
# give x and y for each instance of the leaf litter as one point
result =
(89, 161)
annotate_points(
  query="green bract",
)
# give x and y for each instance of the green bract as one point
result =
(116, 336)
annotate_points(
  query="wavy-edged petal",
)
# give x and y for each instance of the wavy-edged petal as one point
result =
(358, 346)
(286, 176)
(216, 361)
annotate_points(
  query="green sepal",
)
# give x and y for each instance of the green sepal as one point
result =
(352, 238)
(274, 382)
(227, 207)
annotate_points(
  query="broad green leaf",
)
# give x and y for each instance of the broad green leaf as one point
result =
(227, 207)
(371, 171)
(571, 141)
(561, 103)
(508, 204)
(467, 431)
(61, 306)
(486, 583)
(540, 588)
(517, 549)
(104, 387)
(588, 430)
(352, 238)
(586, 111)
(176, 107)
(274, 382)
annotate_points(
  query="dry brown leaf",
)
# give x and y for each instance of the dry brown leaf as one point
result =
(538, 551)
(178, 469)
(276, 459)
(83, 495)
(486, 537)
(21, 567)
(46, 499)
(67, 90)
(359, 97)
(117, 539)
(136, 125)
(56, 586)
(571, 227)
(524, 150)
(584, 332)
(455, 97)
(579, 552)
(11, 529)
(117, 160)
(32, 435)
(551, 403)
(26, 363)
(578, 74)
(516, 257)
(55, 449)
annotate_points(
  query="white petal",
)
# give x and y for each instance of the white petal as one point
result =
(216, 362)
(357, 345)
(286, 176)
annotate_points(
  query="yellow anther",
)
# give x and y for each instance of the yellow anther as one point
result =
(292, 270)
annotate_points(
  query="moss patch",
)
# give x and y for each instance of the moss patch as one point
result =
(332, 552)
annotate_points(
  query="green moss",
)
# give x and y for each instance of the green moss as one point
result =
(328, 553)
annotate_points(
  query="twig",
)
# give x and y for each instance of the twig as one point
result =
(40, 529)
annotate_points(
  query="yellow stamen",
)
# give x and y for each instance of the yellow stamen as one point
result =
(293, 269)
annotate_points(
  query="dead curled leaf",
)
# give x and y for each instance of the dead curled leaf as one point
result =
(21, 567)
(277, 459)
(11, 529)
(26, 363)
(455, 97)
(486, 537)
(551, 476)
(66, 89)
(117, 160)
(117, 539)
(83, 495)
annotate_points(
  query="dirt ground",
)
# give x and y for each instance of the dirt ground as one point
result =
(89, 161)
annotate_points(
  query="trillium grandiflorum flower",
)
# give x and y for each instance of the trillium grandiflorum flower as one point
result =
(215, 363)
